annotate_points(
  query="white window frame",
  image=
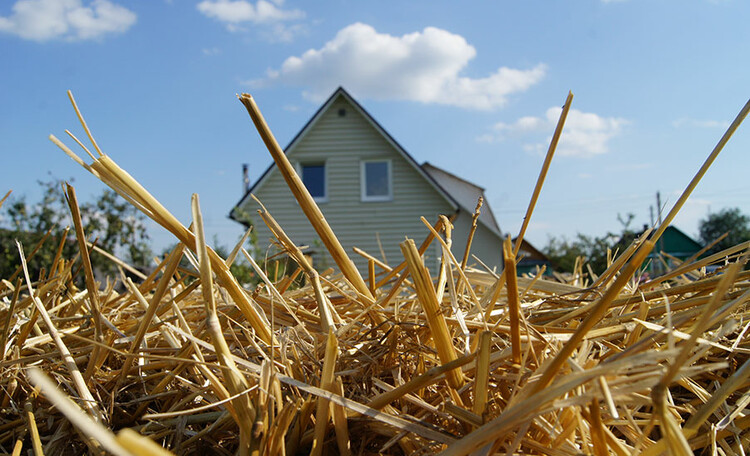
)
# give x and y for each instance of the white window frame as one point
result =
(363, 181)
(298, 167)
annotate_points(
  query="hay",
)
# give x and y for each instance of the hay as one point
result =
(469, 363)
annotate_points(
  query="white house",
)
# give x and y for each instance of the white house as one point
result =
(371, 191)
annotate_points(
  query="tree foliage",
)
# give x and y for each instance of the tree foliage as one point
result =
(241, 268)
(727, 220)
(112, 223)
(563, 253)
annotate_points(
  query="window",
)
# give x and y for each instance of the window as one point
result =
(375, 178)
(314, 177)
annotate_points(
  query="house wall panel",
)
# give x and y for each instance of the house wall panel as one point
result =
(343, 142)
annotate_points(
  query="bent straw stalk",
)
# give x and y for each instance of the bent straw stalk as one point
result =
(327, 382)
(126, 186)
(78, 379)
(93, 295)
(237, 381)
(98, 433)
(543, 171)
(324, 304)
(428, 299)
(514, 310)
(305, 200)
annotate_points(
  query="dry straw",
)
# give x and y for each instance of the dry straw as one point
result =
(474, 362)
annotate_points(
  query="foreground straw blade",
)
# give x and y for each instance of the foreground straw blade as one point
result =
(422, 381)
(327, 382)
(702, 171)
(126, 186)
(237, 381)
(543, 171)
(306, 202)
(514, 310)
(428, 300)
(526, 408)
(340, 423)
(699, 418)
(173, 261)
(78, 417)
(638, 258)
(78, 380)
(481, 380)
(138, 445)
(324, 304)
(93, 295)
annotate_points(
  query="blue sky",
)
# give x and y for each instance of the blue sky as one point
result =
(472, 87)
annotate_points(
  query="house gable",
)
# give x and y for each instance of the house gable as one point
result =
(677, 243)
(466, 195)
(343, 136)
(338, 101)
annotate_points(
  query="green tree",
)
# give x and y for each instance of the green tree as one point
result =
(118, 227)
(112, 223)
(563, 252)
(241, 269)
(593, 249)
(727, 220)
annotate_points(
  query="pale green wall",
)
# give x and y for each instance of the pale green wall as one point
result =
(343, 142)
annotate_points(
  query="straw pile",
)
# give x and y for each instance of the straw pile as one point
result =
(470, 362)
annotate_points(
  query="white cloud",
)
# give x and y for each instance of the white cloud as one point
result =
(283, 32)
(585, 134)
(421, 66)
(43, 20)
(695, 123)
(236, 11)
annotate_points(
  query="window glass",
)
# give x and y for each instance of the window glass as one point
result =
(376, 180)
(314, 178)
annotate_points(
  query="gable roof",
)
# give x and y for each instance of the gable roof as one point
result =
(466, 194)
(676, 242)
(436, 177)
(529, 252)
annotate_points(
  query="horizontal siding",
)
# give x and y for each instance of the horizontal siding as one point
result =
(485, 244)
(344, 142)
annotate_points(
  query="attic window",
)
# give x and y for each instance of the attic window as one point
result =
(342, 112)
(314, 177)
(375, 180)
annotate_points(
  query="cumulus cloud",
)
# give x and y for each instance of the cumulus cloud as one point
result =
(585, 134)
(44, 20)
(235, 13)
(422, 66)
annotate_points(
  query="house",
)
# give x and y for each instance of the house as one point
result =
(677, 244)
(673, 243)
(530, 259)
(371, 191)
